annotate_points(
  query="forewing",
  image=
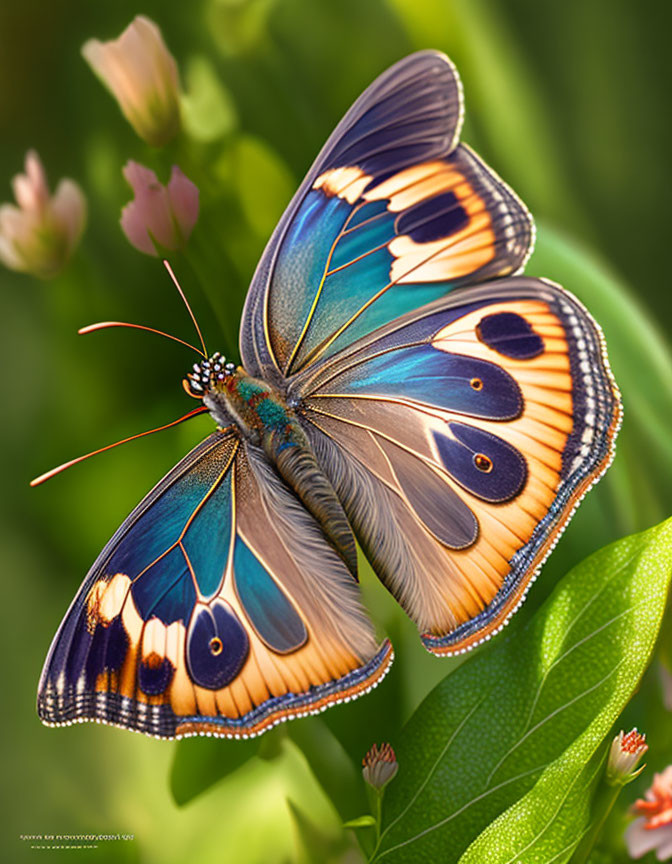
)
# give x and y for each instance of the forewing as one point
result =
(203, 614)
(460, 440)
(393, 214)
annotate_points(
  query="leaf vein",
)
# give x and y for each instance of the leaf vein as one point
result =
(435, 765)
(527, 731)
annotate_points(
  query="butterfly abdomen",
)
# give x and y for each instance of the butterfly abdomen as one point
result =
(263, 417)
(298, 467)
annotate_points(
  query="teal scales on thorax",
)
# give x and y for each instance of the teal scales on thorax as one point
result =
(266, 421)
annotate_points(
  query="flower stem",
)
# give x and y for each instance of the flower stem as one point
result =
(378, 815)
(604, 805)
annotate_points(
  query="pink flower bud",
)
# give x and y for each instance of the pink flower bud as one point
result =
(159, 217)
(40, 234)
(379, 766)
(141, 74)
(626, 751)
(653, 829)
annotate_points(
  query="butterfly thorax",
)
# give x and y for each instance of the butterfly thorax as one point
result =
(258, 409)
(262, 416)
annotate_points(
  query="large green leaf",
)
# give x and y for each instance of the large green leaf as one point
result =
(548, 823)
(532, 709)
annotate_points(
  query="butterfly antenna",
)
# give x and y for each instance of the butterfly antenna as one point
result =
(102, 325)
(41, 479)
(166, 264)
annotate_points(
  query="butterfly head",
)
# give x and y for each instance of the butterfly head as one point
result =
(208, 374)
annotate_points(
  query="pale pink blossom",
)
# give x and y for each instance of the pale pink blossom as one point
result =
(653, 829)
(159, 217)
(40, 234)
(141, 74)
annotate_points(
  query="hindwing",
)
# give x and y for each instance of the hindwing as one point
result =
(460, 439)
(203, 613)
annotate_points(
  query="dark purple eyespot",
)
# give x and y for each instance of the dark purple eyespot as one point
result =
(93, 652)
(511, 335)
(217, 645)
(95, 660)
(117, 644)
(485, 464)
(155, 674)
(433, 219)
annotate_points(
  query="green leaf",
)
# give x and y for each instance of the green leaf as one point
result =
(200, 762)
(529, 713)
(208, 111)
(330, 765)
(316, 844)
(360, 822)
(548, 823)
(263, 182)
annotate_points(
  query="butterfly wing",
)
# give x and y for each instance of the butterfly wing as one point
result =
(203, 614)
(392, 215)
(460, 439)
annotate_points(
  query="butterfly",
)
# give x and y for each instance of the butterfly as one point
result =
(401, 386)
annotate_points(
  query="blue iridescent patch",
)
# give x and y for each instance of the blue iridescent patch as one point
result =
(365, 212)
(157, 530)
(439, 378)
(165, 589)
(272, 414)
(208, 537)
(270, 612)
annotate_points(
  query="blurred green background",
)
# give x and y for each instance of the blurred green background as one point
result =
(568, 101)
